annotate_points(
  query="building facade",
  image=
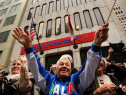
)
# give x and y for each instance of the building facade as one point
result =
(51, 24)
(120, 11)
(10, 17)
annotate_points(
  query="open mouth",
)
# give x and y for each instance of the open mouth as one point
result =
(15, 69)
(63, 71)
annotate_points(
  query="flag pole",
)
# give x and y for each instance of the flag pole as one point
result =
(110, 12)
(75, 46)
(41, 51)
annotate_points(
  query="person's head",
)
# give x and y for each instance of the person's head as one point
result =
(63, 68)
(120, 65)
(53, 67)
(101, 68)
(15, 67)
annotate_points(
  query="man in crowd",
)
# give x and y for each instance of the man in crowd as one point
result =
(117, 69)
(63, 83)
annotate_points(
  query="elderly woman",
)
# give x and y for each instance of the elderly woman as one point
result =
(19, 82)
(104, 84)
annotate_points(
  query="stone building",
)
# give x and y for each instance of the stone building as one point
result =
(51, 24)
(10, 17)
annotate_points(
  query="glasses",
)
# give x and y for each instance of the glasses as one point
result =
(16, 65)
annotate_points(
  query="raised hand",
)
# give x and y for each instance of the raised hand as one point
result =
(22, 37)
(23, 60)
(101, 34)
(110, 51)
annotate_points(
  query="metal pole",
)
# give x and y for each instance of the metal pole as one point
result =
(41, 51)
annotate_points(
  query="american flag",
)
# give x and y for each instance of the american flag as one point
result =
(70, 27)
(32, 31)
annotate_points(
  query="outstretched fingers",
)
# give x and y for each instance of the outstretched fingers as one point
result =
(21, 29)
(16, 32)
(15, 36)
(27, 32)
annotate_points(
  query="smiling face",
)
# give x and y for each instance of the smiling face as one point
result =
(101, 68)
(15, 69)
(63, 69)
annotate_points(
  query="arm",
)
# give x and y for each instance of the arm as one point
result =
(118, 69)
(110, 52)
(39, 72)
(24, 84)
(87, 73)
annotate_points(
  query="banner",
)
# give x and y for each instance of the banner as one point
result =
(62, 42)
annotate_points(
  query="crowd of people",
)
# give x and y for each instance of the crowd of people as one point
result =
(98, 75)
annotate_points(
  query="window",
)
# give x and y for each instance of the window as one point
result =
(37, 11)
(43, 9)
(50, 7)
(33, 1)
(0, 21)
(83, 55)
(40, 29)
(88, 19)
(2, 4)
(77, 22)
(16, 0)
(15, 8)
(58, 5)
(4, 36)
(0, 53)
(83, 1)
(5, 3)
(66, 25)
(9, 20)
(49, 28)
(8, 2)
(92, 0)
(26, 28)
(3, 12)
(30, 14)
(66, 4)
(105, 51)
(58, 26)
(74, 3)
(98, 16)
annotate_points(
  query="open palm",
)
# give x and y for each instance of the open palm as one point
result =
(22, 37)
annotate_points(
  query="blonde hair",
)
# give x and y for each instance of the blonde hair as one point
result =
(16, 60)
